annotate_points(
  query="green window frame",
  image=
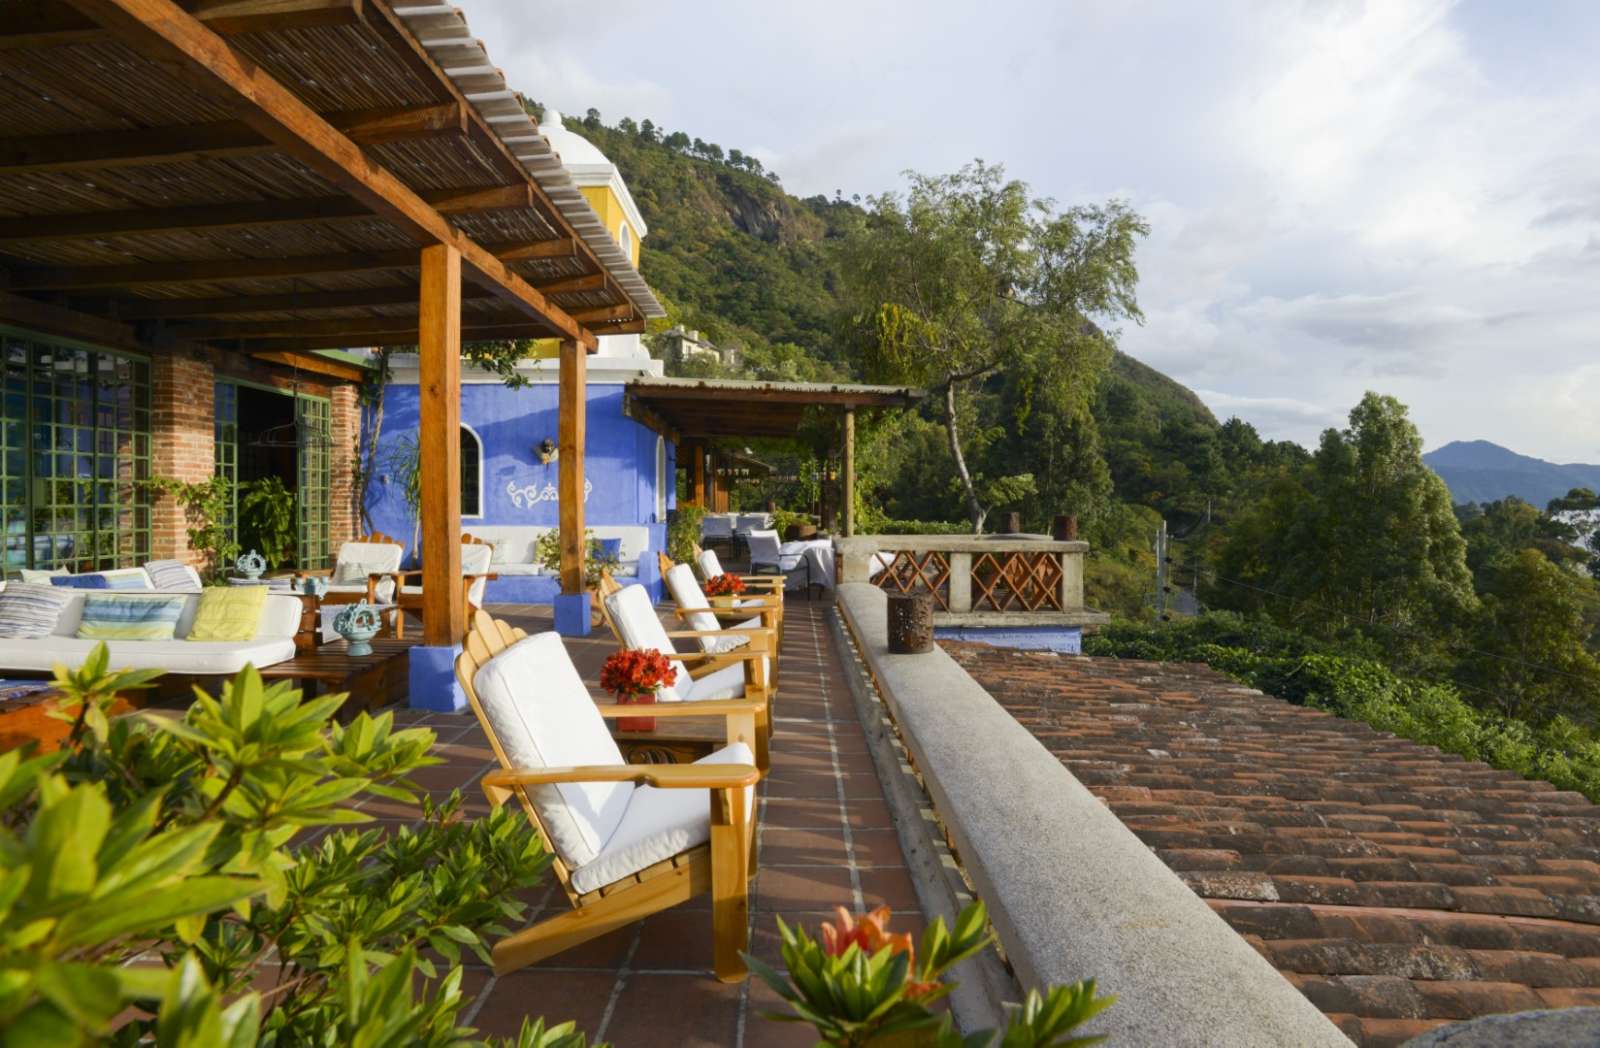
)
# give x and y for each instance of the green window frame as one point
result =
(74, 454)
(315, 496)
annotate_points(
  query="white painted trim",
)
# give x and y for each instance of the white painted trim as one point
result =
(479, 441)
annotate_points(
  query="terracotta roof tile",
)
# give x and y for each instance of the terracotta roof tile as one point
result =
(1398, 887)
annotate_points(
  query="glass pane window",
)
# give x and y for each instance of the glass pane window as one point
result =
(74, 456)
(471, 474)
(315, 495)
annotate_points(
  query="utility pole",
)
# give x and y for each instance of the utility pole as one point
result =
(1161, 571)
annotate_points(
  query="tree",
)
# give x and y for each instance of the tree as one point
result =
(591, 119)
(677, 141)
(970, 275)
(627, 126)
(648, 131)
(1362, 538)
(1528, 654)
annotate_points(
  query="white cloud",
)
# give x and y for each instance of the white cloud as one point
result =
(1344, 194)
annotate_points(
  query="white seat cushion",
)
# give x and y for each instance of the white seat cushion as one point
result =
(726, 683)
(539, 709)
(173, 656)
(657, 825)
(691, 598)
(710, 566)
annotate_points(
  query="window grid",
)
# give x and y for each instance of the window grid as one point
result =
(74, 456)
(315, 496)
(225, 442)
(471, 471)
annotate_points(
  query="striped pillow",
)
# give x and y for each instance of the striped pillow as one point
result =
(29, 611)
(173, 576)
(119, 616)
(89, 582)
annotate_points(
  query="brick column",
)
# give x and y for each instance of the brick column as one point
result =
(182, 435)
(344, 428)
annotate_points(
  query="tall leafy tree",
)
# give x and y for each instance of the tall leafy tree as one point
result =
(1363, 538)
(969, 275)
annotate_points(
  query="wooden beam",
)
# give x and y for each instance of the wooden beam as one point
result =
(224, 138)
(604, 314)
(162, 30)
(439, 428)
(572, 404)
(849, 472)
(85, 225)
(317, 365)
(586, 282)
(366, 339)
(561, 247)
(70, 278)
(700, 476)
(295, 301)
(299, 328)
(38, 24)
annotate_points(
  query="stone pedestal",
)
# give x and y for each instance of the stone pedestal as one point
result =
(572, 614)
(433, 679)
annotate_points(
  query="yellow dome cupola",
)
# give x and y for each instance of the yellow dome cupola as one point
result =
(599, 181)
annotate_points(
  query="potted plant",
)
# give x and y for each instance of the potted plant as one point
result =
(725, 585)
(862, 984)
(637, 677)
(596, 560)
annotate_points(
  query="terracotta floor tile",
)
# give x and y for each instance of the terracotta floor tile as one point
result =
(804, 847)
(887, 886)
(681, 1010)
(784, 888)
(558, 996)
(877, 847)
(803, 812)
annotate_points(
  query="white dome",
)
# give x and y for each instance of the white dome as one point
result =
(575, 150)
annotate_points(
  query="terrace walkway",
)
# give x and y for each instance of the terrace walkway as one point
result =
(826, 839)
(1396, 886)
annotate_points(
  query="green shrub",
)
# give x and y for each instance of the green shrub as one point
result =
(168, 839)
(1357, 687)
(683, 532)
(924, 527)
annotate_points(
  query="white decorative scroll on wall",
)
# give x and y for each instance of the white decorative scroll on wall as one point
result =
(533, 494)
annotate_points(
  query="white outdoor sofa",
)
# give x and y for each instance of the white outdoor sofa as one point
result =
(274, 642)
(514, 545)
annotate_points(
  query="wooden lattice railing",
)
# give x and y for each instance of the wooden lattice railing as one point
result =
(975, 578)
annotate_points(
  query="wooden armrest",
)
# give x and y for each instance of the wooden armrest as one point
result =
(737, 603)
(750, 634)
(326, 573)
(703, 708)
(731, 655)
(668, 776)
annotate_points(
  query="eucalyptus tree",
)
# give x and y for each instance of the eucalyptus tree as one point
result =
(969, 275)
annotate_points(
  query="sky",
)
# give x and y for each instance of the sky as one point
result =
(1400, 196)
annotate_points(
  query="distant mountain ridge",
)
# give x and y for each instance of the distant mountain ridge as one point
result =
(1481, 471)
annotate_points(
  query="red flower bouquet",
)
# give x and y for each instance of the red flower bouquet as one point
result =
(637, 677)
(725, 585)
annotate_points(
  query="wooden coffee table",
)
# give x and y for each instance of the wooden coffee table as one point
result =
(679, 740)
(379, 679)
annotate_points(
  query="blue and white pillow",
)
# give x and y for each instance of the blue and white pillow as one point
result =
(117, 616)
(92, 581)
(29, 611)
(173, 576)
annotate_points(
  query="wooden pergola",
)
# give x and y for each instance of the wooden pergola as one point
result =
(276, 177)
(696, 412)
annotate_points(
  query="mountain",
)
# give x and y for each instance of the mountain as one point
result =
(1478, 471)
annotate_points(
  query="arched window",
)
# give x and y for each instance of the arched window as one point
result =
(471, 473)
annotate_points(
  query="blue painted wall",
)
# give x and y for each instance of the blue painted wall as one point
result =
(620, 465)
(1067, 640)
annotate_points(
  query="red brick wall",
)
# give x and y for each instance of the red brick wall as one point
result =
(344, 425)
(181, 444)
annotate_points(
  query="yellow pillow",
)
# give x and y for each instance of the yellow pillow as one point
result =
(228, 613)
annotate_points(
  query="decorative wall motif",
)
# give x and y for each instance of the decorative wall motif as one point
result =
(1012, 580)
(910, 571)
(533, 494)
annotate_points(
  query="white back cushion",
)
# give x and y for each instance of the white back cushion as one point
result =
(690, 597)
(641, 630)
(710, 566)
(541, 712)
(378, 556)
(717, 527)
(764, 547)
(514, 540)
(476, 559)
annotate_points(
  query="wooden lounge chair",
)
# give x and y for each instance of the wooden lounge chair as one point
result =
(705, 614)
(703, 676)
(709, 565)
(629, 840)
(476, 558)
(362, 570)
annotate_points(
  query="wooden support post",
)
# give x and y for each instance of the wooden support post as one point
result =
(439, 384)
(573, 406)
(700, 477)
(849, 472)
